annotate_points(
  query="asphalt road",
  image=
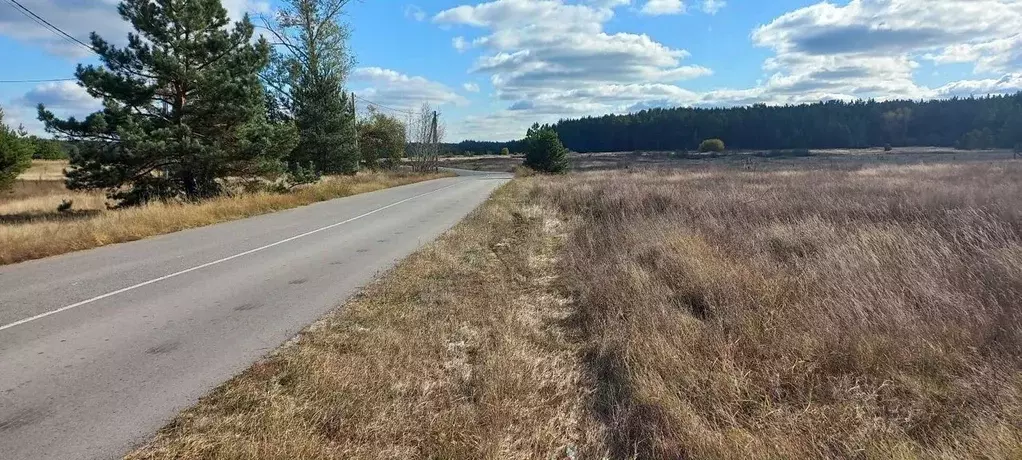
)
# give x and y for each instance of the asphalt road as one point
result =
(100, 348)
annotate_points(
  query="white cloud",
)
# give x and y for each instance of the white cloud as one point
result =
(63, 98)
(471, 87)
(79, 18)
(64, 95)
(870, 48)
(414, 12)
(713, 6)
(460, 44)
(551, 59)
(548, 59)
(661, 7)
(400, 91)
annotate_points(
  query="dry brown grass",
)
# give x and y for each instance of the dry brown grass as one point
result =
(460, 353)
(45, 170)
(812, 313)
(32, 228)
(717, 313)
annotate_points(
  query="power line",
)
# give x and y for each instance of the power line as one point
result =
(44, 80)
(406, 112)
(43, 22)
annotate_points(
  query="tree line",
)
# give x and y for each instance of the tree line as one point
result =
(967, 123)
(194, 101)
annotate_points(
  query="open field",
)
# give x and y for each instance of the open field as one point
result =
(849, 310)
(32, 227)
(837, 158)
(45, 170)
(801, 313)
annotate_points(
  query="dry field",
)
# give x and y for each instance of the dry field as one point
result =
(751, 160)
(31, 227)
(715, 312)
(806, 313)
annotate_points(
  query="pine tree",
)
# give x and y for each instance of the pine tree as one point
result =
(15, 154)
(544, 151)
(308, 75)
(183, 107)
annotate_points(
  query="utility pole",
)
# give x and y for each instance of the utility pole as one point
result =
(354, 129)
(435, 140)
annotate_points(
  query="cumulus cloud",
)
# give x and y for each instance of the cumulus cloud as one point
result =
(550, 59)
(661, 7)
(63, 95)
(394, 89)
(64, 98)
(538, 53)
(870, 48)
(471, 87)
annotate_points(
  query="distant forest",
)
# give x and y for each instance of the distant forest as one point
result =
(970, 123)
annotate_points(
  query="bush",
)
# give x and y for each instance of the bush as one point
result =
(505, 152)
(888, 148)
(711, 145)
(544, 151)
(381, 141)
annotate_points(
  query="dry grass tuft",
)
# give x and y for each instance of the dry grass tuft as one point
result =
(870, 313)
(462, 352)
(32, 228)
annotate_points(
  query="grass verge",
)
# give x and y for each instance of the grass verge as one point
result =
(30, 232)
(461, 352)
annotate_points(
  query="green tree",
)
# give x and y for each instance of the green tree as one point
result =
(711, 145)
(381, 140)
(505, 152)
(544, 151)
(183, 107)
(307, 74)
(15, 153)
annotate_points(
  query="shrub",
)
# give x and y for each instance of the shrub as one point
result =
(505, 152)
(888, 148)
(711, 145)
(65, 206)
(544, 151)
(381, 140)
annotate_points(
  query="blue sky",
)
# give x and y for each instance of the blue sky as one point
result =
(495, 67)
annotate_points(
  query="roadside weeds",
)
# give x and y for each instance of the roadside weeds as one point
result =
(28, 233)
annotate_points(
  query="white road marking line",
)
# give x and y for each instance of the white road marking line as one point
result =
(215, 262)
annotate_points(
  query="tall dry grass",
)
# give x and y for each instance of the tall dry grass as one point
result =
(460, 353)
(813, 313)
(31, 228)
